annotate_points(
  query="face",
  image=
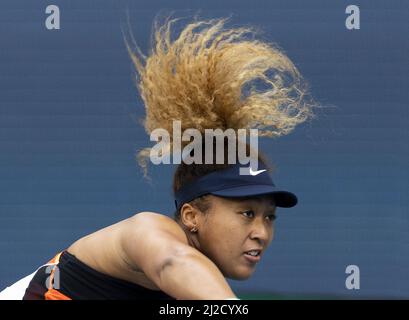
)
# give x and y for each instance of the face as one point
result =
(231, 228)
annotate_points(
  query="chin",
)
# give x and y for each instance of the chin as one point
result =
(242, 278)
(240, 274)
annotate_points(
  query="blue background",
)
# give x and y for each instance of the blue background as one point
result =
(69, 132)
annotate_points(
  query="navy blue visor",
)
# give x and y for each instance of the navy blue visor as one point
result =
(230, 184)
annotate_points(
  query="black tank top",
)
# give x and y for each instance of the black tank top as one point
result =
(78, 281)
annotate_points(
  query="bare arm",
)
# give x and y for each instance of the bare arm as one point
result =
(158, 246)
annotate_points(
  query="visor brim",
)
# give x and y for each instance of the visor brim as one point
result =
(282, 198)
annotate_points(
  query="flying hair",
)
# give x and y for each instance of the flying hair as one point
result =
(209, 76)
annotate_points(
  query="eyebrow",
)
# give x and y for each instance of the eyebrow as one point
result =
(271, 211)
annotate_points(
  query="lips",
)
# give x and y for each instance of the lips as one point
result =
(252, 259)
(253, 256)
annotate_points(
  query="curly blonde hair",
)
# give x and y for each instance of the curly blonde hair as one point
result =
(207, 77)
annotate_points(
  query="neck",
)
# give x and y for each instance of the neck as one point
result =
(191, 237)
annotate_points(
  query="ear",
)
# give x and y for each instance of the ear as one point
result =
(189, 216)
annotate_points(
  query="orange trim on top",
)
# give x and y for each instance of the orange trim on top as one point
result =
(53, 294)
(56, 259)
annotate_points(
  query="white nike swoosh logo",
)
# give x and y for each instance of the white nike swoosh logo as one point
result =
(254, 173)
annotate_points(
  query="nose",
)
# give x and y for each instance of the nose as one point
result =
(261, 232)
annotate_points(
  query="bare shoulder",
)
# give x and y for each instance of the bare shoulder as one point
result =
(140, 225)
(148, 239)
(148, 224)
(122, 249)
(150, 217)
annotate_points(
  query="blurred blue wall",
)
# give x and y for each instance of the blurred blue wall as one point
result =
(69, 131)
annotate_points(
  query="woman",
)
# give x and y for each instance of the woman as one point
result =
(224, 221)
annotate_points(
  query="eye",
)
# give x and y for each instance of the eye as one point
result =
(248, 213)
(271, 217)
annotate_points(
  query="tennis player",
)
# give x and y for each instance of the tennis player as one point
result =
(224, 221)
